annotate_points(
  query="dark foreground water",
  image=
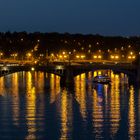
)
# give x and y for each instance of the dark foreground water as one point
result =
(34, 107)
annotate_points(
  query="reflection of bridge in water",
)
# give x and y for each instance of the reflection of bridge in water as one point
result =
(69, 69)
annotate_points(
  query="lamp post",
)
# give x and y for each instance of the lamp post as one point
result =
(29, 55)
(14, 56)
(69, 58)
(1, 54)
(131, 56)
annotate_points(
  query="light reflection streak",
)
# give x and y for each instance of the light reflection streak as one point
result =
(54, 87)
(40, 83)
(105, 105)
(30, 107)
(2, 89)
(139, 111)
(39, 77)
(80, 93)
(106, 96)
(95, 73)
(131, 114)
(89, 84)
(97, 114)
(114, 104)
(15, 98)
(66, 115)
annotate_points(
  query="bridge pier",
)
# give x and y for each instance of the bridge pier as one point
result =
(68, 78)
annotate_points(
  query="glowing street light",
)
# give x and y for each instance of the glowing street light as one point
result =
(83, 56)
(29, 55)
(131, 56)
(77, 56)
(97, 56)
(63, 53)
(117, 57)
(114, 57)
(1, 54)
(65, 56)
(80, 56)
(14, 55)
(60, 56)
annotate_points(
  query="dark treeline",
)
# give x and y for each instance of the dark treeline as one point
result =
(23, 42)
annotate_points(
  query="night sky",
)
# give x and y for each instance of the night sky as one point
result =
(105, 17)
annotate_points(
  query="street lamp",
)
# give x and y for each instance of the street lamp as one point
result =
(29, 55)
(14, 55)
(69, 57)
(82, 56)
(77, 56)
(131, 56)
(114, 57)
(98, 56)
(1, 54)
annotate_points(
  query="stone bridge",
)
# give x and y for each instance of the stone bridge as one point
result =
(67, 71)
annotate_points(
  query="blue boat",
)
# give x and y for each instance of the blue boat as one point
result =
(103, 79)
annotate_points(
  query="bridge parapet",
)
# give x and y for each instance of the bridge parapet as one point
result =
(68, 72)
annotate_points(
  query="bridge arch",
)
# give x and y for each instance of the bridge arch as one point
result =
(128, 72)
(9, 70)
(68, 72)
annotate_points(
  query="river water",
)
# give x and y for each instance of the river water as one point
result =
(33, 106)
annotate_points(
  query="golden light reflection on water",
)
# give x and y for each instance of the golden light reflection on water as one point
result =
(80, 93)
(66, 115)
(54, 87)
(95, 73)
(114, 104)
(97, 114)
(131, 114)
(2, 87)
(89, 84)
(90, 75)
(40, 101)
(102, 101)
(102, 98)
(15, 98)
(39, 80)
(139, 109)
(30, 107)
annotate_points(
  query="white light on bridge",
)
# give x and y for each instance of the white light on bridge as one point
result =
(59, 67)
(5, 68)
(32, 69)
